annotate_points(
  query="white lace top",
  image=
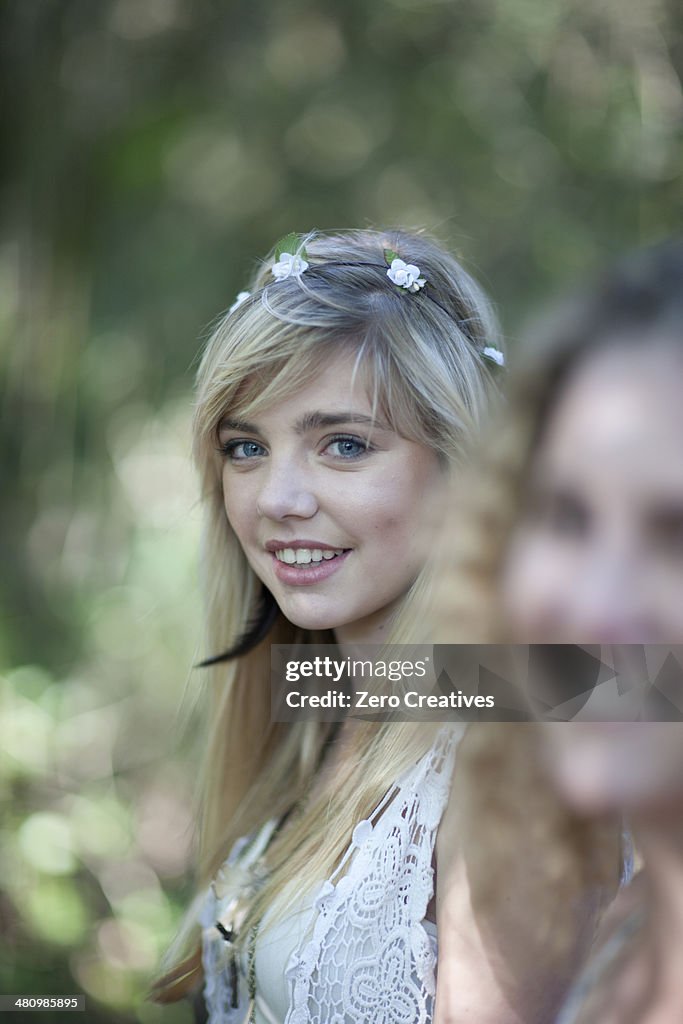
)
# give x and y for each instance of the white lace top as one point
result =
(356, 947)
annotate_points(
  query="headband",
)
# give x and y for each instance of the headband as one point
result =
(290, 261)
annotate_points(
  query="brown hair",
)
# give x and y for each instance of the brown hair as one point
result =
(504, 792)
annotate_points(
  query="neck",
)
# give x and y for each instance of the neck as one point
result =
(373, 629)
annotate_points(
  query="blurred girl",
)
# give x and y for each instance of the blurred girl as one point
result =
(583, 504)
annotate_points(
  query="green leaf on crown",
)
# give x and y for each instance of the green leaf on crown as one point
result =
(291, 243)
(390, 256)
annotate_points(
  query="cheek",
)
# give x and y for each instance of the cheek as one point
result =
(666, 591)
(238, 503)
(393, 502)
(418, 493)
(535, 584)
(406, 514)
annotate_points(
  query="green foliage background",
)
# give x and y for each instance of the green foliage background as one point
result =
(153, 150)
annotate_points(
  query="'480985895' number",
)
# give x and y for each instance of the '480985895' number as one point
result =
(25, 1002)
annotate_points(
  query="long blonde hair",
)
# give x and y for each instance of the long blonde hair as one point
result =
(429, 378)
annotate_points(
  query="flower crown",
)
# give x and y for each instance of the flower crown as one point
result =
(291, 261)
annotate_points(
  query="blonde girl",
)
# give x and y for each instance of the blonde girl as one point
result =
(334, 402)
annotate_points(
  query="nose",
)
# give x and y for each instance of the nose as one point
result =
(287, 490)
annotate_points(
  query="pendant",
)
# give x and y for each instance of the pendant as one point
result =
(233, 974)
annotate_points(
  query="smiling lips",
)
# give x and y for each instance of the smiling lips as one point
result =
(305, 562)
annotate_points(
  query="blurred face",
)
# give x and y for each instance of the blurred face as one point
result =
(330, 504)
(607, 766)
(597, 558)
(598, 554)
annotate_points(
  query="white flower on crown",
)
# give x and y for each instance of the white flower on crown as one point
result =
(406, 275)
(289, 265)
(241, 297)
(495, 355)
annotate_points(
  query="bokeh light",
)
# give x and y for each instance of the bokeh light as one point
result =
(155, 151)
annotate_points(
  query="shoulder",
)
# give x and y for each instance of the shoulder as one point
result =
(499, 901)
(618, 971)
(630, 901)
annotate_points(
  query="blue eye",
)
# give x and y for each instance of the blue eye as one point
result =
(347, 447)
(242, 451)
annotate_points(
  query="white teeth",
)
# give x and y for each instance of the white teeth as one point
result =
(303, 556)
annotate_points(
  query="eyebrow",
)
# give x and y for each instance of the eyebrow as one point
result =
(309, 421)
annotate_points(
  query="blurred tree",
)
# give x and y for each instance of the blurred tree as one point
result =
(153, 151)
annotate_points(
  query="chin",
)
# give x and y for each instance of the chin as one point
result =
(586, 797)
(309, 618)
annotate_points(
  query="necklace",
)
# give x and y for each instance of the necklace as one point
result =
(251, 973)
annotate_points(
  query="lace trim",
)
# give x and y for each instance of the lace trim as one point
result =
(369, 956)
